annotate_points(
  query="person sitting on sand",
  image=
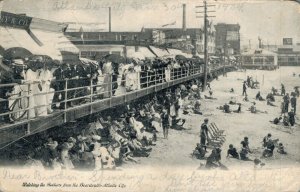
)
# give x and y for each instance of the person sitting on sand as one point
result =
(226, 108)
(266, 139)
(281, 150)
(271, 97)
(213, 160)
(245, 149)
(196, 108)
(246, 98)
(269, 147)
(259, 97)
(285, 120)
(253, 108)
(232, 152)
(231, 90)
(269, 102)
(207, 97)
(276, 120)
(239, 109)
(199, 151)
(274, 91)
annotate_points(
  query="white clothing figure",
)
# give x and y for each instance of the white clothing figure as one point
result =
(31, 77)
(47, 76)
(41, 100)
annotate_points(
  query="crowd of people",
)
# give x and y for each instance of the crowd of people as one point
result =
(47, 86)
(112, 137)
(213, 160)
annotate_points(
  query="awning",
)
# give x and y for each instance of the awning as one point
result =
(175, 52)
(142, 53)
(160, 52)
(19, 38)
(55, 41)
(13, 38)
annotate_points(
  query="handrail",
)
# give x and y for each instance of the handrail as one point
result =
(92, 92)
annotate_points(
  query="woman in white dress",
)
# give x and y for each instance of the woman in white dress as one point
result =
(47, 77)
(130, 79)
(107, 71)
(43, 100)
(31, 77)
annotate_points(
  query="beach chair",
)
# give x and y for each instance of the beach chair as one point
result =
(216, 137)
(214, 141)
(216, 132)
(217, 129)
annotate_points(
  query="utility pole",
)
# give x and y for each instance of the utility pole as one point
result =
(205, 16)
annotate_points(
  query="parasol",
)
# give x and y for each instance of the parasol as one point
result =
(180, 57)
(16, 53)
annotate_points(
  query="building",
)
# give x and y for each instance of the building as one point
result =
(288, 53)
(259, 59)
(228, 38)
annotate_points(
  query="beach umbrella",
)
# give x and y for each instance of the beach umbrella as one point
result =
(180, 57)
(16, 53)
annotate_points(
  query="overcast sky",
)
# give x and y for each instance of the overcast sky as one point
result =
(271, 20)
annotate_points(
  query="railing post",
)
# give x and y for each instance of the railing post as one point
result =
(28, 98)
(155, 77)
(147, 79)
(66, 99)
(91, 95)
(111, 87)
(91, 90)
(28, 110)
(181, 72)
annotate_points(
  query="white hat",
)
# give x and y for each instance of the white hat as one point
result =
(96, 137)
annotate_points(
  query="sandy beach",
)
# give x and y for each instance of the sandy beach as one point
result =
(176, 151)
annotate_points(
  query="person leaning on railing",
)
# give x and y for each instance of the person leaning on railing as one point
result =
(8, 76)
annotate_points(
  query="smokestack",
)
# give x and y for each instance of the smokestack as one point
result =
(109, 18)
(184, 17)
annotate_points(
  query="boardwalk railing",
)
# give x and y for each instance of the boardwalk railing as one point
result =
(30, 107)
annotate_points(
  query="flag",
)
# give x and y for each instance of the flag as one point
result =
(169, 24)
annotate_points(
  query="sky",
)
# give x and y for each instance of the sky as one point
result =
(271, 20)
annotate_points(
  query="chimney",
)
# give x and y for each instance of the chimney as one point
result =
(109, 18)
(184, 17)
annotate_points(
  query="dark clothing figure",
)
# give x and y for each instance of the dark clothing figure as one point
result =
(270, 97)
(226, 108)
(286, 100)
(244, 89)
(280, 149)
(232, 151)
(203, 134)
(270, 146)
(277, 120)
(165, 124)
(282, 89)
(243, 154)
(59, 86)
(294, 103)
(214, 159)
(291, 115)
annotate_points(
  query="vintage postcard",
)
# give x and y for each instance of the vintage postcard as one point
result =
(149, 95)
